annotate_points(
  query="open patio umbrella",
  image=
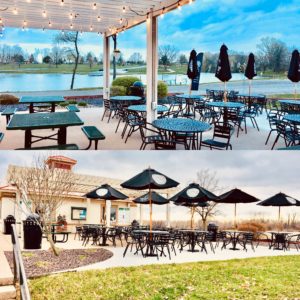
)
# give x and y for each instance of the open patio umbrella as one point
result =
(250, 71)
(106, 192)
(294, 69)
(192, 71)
(192, 196)
(236, 196)
(280, 200)
(155, 199)
(150, 179)
(223, 71)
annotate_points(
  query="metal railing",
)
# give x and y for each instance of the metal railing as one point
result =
(19, 270)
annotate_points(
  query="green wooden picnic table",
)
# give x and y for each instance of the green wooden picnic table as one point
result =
(30, 122)
(32, 100)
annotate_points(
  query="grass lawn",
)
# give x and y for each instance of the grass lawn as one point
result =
(257, 278)
(285, 96)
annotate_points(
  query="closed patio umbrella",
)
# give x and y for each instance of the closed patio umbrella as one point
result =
(192, 196)
(223, 71)
(192, 71)
(294, 69)
(280, 200)
(106, 192)
(155, 199)
(250, 71)
(236, 196)
(150, 179)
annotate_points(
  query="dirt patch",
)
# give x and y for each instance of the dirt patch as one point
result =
(40, 262)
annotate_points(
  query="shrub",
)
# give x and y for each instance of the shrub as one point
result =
(117, 91)
(126, 81)
(73, 102)
(6, 99)
(253, 226)
(64, 104)
(82, 104)
(162, 89)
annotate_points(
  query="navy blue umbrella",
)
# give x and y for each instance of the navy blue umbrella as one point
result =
(223, 71)
(294, 69)
(250, 71)
(192, 71)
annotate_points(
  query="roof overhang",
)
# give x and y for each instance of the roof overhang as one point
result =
(105, 16)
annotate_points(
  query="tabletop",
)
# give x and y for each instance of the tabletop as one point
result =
(44, 120)
(125, 98)
(42, 99)
(225, 104)
(143, 108)
(294, 118)
(291, 102)
(186, 96)
(181, 125)
(151, 231)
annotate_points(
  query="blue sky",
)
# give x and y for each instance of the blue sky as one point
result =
(204, 25)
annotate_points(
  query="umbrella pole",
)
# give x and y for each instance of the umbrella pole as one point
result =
(150, 202)
(295, 92)
(190, 90)
(250, 83)
(192, 217)
(279, 219)
(235, 224)
(225, 93)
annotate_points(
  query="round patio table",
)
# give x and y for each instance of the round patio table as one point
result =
(234, 238)
(290, 102)
(125, 98)
(192, 238)
(183, 125)
(189, 102)
(293, 118)
(143, 108)
(225, 106)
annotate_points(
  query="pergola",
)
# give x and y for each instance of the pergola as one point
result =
(107, 17)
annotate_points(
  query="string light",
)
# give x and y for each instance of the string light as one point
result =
(179, 6)
(71, 16)
(15, 11)
(191, 1)
(124, 9)
(44, 14)
(71, 26)
(25, 23)
(1, 22)
(23, 28)
(94, 6)
(91, 28)
(121, 21)
(98, 18)
(50, 24)
(162, 13)
(62, 2)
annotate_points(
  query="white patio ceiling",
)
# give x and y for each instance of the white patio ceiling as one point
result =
(103, 16)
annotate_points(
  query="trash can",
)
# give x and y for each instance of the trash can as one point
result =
(137, 89)
(32, 232)
(7, 224)
(212, 227)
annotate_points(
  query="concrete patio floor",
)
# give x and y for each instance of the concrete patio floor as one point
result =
(117, 260)
(253, 140)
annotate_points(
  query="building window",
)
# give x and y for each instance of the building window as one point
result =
(78, 213)
(113, 214)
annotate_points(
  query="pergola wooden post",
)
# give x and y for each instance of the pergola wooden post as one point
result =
(106, 67)
(152, 66)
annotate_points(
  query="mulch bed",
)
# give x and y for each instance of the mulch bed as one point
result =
(41, 262)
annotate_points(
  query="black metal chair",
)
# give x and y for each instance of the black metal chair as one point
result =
(110, 107)
(136, 240)
(273, 119)
(206, 238)
(246, 238)
(78, 232)
(221, 137)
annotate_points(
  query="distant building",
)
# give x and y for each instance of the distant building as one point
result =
(77, 209)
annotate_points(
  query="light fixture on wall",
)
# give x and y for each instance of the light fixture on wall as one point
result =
(117, 54)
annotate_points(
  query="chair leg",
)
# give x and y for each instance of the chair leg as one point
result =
(268, 137)
(276, 140)
(104, 114)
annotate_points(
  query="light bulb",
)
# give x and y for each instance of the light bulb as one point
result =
(1, 22)
(94, 6)
(15, 11)
(44, 14)
(191, 1)
(91, 28)
(71, 16)
(98, 18)
(71, 26)
(120, 21)
(62, 2)
(25, 23)
(179, 6)
(50, 24)
(124, 9)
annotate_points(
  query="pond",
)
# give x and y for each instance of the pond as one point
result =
(56, 82)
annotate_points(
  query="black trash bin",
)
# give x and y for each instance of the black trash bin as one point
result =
(137, 89)
(212, 227)
(32, 232)
(7, 224)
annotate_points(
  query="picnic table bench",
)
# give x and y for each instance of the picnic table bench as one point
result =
(63, 234)
(93, 134)
(54, 147)
(8, 112)
(43, 103)
(73, 108)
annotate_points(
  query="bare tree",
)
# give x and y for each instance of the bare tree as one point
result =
(57, 55)
(167, 55)
(208, 179)
(135, 58)
(43, 189)
(70, 38)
